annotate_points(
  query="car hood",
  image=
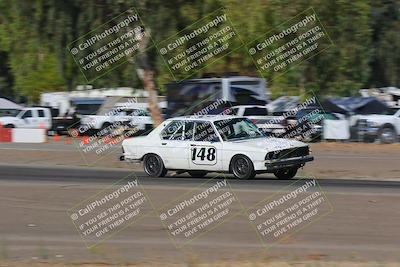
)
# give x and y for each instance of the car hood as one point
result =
(5, 120)
(375, 117)
(267, 143)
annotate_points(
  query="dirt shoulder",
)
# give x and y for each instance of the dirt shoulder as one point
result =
(355, 161)
(233, 264)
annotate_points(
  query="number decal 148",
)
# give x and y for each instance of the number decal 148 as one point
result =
(203, 154)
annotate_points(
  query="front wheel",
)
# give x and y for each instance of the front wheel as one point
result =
(197, 174)
(242, 168)
(154, 166)
(285, 174)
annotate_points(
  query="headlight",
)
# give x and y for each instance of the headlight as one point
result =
(372, 124)
(272, 155)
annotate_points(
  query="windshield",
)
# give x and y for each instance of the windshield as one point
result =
(237, 129)
(391, 111)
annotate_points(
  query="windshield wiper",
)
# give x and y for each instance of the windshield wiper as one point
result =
(246, 137)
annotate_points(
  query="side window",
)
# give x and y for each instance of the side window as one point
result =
(138, 112)
(234, 111)
(128, 112)
(41, 113)
(255, 112)
(27, 114)
(144, 113)
(178, 133)
(189, 128)
(170, 129)
(204, 132)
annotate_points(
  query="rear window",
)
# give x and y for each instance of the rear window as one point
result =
(172, 128)
(41, 113)
(255, 112)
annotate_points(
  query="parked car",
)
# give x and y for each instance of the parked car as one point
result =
(129, 117)
(382, 127)
(34, 118)
(307, 124)
(270, 125)
(40, 117)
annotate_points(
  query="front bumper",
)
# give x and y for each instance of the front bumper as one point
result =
(277, 164)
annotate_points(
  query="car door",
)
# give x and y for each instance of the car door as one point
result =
(43, 120)
(138, 118)
(206, 148)
(30, 119)
(174, 149)
(397, 124)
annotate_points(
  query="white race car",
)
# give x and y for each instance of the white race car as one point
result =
(203, 144)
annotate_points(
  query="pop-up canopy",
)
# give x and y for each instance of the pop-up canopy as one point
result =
(355, 105)
(9, 105)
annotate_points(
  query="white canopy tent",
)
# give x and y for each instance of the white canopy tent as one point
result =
(7, 104)
(9, 108)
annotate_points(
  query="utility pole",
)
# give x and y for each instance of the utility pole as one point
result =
(146, 74)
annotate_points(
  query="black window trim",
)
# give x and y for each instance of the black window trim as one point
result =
(184, 130)
(182, 125)
(212, 126)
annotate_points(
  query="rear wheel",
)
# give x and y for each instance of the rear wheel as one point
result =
(387, 135)
(242, 167)
(286, 174)
(154, 166)
(198, 174)
(105, 129)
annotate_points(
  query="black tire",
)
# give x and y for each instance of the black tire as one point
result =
(197, 174)
(286, 174)
(154, 166)
(9, 126)
(104, 130)
(242, 167)
(387, 135)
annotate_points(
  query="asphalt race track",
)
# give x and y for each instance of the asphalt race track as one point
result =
(364, 222)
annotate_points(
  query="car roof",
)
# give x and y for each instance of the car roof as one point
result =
(210, 118)
(249, 106)
(218, 79)
(34, 108)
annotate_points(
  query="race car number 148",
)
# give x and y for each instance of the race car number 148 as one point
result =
(204, 155)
